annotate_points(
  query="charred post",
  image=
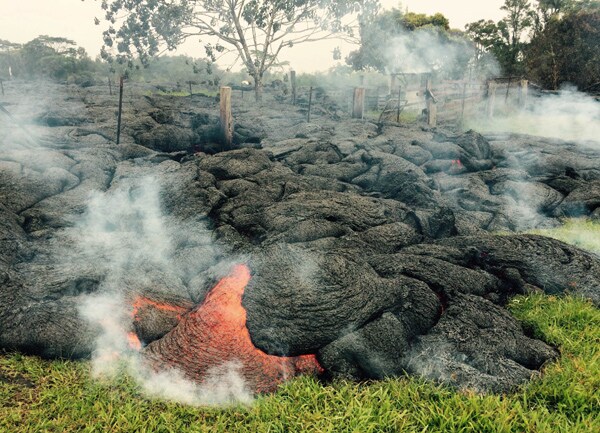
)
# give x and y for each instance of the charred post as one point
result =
(398, 105)
(431, 102)
(120, 110)
(358, 106)
(310, 92)
(523, 93)
(293, 81)
(491, 98)
(226, 118)
(462, 107)
(392, 83)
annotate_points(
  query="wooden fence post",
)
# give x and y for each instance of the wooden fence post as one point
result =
(310, 92)
(358, 106)
(191, 92)
(431, 105)
(523, 93)
(398, 105)
(110, 86)
(120, 109)
(293, 80)
(226, 118)
(491, 98)
(462, 108)
(392, 83)
(2, 85)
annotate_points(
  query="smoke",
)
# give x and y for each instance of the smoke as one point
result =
(128, 238)
(568, 115)
(425, 51)
(582, 233)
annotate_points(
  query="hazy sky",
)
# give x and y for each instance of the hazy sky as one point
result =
(23, 20)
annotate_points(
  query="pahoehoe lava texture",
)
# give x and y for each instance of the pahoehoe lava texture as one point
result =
(368, 246)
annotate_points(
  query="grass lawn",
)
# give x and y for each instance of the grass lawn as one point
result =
(60, 396)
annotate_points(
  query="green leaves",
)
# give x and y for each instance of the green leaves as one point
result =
(255, 30)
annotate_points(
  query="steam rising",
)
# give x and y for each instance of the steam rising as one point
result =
(126, 235)
(569, 115)
(425, 51)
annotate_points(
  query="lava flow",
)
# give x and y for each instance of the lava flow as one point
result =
(215, 333)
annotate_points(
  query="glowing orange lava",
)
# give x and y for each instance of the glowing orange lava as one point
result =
(142, 302)
(133, 341)
(215, 333)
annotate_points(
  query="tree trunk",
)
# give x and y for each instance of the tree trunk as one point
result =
(258, 88)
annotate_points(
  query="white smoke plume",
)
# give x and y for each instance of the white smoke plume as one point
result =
(125, 234)
(423, 51)
(568, 115)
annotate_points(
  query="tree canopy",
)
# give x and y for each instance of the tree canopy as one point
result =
(550, 41)
(567, 50)
(56, 58)
(394, 42)
(256, 31)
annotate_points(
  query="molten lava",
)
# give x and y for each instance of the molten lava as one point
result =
(215, 333)
(133, 341)
(141, 303)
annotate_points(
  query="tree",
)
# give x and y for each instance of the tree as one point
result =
(54, 57)
(393, 41)
(563, 43)
(9, 57)
(257, 31)
(567, 50)
(513, 27)
(505, 39)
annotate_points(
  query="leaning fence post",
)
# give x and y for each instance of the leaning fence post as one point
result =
(2, 85)
(120, 109)
(226, 118)
(392, 83)
(431, 105)
(491, 98)
(462, 108)
(310, 92)
(523, 93)
(293, 80)
(398, 105)
(358, 106)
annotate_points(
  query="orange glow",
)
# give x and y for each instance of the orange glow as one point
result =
(215, 333)
(142, 302)
(133, 341)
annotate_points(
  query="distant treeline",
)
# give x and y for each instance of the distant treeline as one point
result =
(59, 59)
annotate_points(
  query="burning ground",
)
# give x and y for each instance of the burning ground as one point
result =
(366, 251)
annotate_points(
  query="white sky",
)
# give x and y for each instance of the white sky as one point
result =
(23, 20)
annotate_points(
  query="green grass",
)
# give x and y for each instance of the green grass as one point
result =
(61, 396)
(581, 232)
